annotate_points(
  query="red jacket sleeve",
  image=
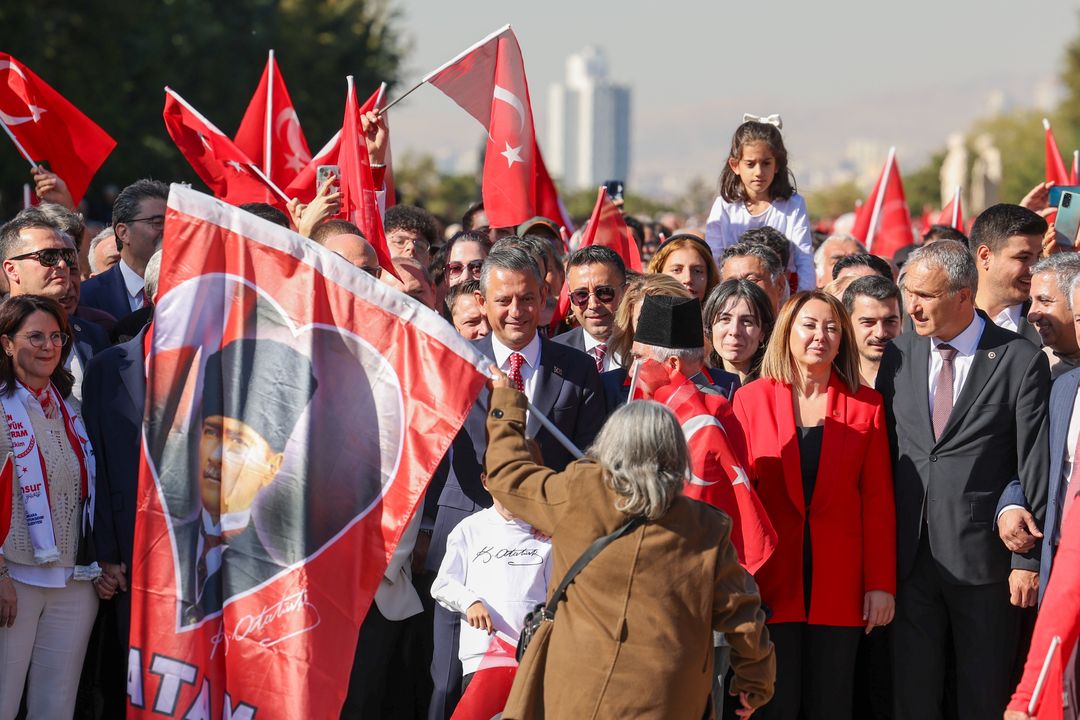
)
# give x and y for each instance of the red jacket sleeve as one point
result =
(878, 510)
(1059, 614)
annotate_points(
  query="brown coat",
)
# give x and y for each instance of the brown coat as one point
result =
(633, 636)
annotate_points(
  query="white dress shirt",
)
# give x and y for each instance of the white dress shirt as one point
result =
(134, 285)
(1009, 318)
(530, 352)
(966, 343)
(610, 361)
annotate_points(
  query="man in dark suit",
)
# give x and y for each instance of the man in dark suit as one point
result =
(966, 406)
(139, 220)
(1006, 241)
(596, 281)
(559, 381)
(240, 449)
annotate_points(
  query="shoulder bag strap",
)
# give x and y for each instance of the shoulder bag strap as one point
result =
(586, 557)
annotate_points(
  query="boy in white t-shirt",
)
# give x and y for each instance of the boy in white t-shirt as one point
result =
(496, 569)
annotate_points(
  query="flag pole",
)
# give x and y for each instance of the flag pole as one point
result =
(1043, 674)
(269, 183)
(875, 216)
(268, 145)
(380, 97)
(956, 207)
(551, 428)
(19, 146)
(392, 103)
(26, 197)
(633, 382)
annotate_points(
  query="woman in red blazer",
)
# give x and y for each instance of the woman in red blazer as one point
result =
(819, 452)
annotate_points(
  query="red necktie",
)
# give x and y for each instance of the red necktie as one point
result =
(599, 352)
(516, 361)
(943, 393)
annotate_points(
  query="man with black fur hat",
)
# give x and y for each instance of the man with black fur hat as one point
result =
(253, 394)
(670, 331)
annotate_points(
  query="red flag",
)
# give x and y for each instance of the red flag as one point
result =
(883, 222)
(303, 185)
(358, 201)
(224, 167)
(485, 698)
(926, 220)
(7, 476)
(47, 128)
(717, 467)
(261, 619)
(1048, 701)
(488, 82)
(1055, 166)
(606, 227)
(270, 133)
(953, 212)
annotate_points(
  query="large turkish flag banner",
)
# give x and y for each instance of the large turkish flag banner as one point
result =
(296, 409)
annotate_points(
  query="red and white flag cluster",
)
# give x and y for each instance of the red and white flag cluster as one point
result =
(883, 222)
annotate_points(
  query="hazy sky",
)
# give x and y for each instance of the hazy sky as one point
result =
(904, 74)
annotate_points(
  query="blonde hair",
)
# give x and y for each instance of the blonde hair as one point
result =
(643, 452)
(637, 288)
(778, 363)
(681, 242)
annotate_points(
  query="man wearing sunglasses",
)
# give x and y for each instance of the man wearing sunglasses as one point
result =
(139, 221)
(40, 259)
(596, 279)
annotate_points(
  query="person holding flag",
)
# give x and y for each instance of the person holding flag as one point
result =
(819, 448)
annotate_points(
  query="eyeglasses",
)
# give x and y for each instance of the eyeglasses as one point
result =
(604, 293)
(51, 257)
(38, 339)
(456, 268)
(155, 221)
(403, 242)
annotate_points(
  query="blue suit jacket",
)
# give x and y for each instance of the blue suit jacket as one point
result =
(1062, 398)
(567, 391)
(90, 338)
(114, 395)
(107, 292)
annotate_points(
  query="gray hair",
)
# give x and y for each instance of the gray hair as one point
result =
(1065, 266)
(151, 275)
(28, 219)
(66, 221)
(98, 239)
(764, 253)
(953, 258)
(508, 258)
(688, 356)
(644, 455)
(819, 254)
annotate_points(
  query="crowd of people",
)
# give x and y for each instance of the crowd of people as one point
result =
(909, 425)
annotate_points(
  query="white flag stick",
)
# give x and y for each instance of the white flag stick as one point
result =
(1043, 675)
(18, 146)
(559, 435)
(956, 206)
(268, 147)
(269, 183)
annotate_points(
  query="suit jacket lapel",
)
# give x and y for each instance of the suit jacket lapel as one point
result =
(1060, 416)
(82, 348)
(133, 379)
(549, 380)
(788, 434)
(832, 438)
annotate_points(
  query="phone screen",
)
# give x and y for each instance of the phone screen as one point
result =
(1068, 219)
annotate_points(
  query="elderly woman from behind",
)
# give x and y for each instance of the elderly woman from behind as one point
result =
(47, 607)
(631, 638)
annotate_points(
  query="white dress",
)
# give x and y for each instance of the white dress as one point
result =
(728, 221)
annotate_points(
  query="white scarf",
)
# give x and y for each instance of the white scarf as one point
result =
(32, 477)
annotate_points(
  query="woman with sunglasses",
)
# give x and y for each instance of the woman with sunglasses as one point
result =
(465, 255)
(48, 594)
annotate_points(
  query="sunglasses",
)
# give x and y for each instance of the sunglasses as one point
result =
(456, 268)
(604, 293)
(51, 257)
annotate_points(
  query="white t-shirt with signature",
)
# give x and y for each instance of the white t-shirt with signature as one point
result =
(500, 563)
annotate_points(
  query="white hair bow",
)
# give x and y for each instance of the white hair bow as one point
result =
(773, 119)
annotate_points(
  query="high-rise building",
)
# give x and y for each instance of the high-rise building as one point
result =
(588, 124)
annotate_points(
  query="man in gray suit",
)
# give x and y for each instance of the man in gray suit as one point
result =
(966, 406)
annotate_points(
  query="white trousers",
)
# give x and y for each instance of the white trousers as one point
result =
(49, 637)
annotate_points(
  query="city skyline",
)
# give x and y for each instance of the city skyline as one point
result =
(836, 71)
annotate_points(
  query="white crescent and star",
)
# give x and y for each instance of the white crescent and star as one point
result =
(512, 154)
(690, 428)
(35, 111)
(296, 158)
